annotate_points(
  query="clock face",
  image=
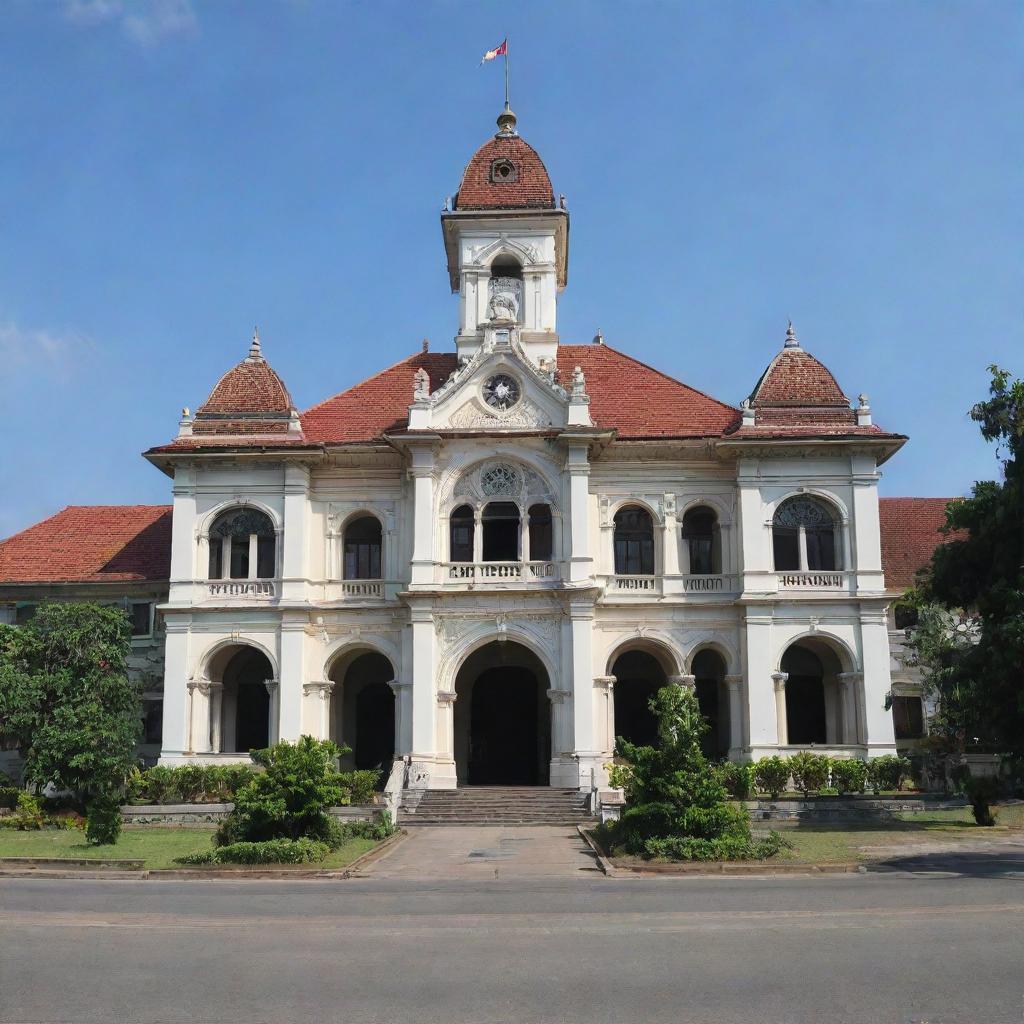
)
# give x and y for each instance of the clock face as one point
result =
(501, 392)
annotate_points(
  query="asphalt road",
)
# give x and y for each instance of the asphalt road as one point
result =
(901, 946)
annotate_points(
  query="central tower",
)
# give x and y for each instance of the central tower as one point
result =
(507, 243)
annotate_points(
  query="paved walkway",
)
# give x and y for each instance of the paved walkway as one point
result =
(486, 851)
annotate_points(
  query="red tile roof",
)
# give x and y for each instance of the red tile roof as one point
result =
(795, 378)
(625, 394)
(911, 531)
(250, 387)
(525, 186)
(91, 544)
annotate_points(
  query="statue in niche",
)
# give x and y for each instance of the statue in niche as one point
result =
(505, 296)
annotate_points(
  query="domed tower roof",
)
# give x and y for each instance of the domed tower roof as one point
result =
(249, 399)
(505, 173)
(797, 389)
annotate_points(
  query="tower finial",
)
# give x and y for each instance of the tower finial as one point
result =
(506, 124)
(254, 348)
(791, 339)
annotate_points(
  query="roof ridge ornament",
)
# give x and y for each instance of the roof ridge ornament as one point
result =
(254, 348)
(792, 341)
(506, 124)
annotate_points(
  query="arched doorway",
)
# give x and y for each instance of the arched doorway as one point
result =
(241, 710)
(708, 670)
(638, 677)
(814, 704)
(363, 709)
(502, 715)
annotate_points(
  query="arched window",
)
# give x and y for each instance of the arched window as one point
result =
(461, 534)
(634, 542)
(506, 266)
(363, 549)
(804, 536)
(501, 531)
(700, 533)
(242, 546)
(540, 533)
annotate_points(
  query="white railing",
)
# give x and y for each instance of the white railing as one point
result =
(499, 572)
(711, 584)
(241, 588)
(822, 580)
(365, 589)
(635, 584)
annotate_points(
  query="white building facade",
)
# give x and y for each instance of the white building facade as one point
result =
(484, 562)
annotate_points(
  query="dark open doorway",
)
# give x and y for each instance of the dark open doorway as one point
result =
(502, 718)
(638, 677)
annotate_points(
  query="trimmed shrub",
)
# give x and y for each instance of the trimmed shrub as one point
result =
(103, 821)
(361, 784)
(887, 772)
(269, 851)
(982, 791)
(771, 774)
(28, 814)
(809, 771)
(738, 779)
(198, 783)
(849, 775)
(291, 797)
(676, 804)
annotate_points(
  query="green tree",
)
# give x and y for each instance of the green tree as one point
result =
(676, 805)
(974, 662)
(66, 699)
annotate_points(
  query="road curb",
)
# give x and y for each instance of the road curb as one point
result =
(377, 852)
(602, 861)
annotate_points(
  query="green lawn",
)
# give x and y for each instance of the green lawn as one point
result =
(814, 844)
(156, 846)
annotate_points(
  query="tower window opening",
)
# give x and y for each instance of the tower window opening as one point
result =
(501, 532)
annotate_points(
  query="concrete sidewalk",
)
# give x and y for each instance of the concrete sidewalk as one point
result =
(487, 851)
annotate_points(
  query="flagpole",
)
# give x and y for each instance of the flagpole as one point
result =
(507, 107)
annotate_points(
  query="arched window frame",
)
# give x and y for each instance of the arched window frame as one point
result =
(359, 517)
(705, 558)
(804, 513)
(223, 554)
(643, 561)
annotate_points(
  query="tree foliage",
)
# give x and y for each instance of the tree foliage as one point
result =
(970, 642)
(676, 804)
(66, 699)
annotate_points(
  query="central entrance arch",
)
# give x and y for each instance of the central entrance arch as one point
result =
(502, 718)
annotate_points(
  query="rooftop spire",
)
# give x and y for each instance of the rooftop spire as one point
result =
(254, 348)
(506, 123)
(791, 339)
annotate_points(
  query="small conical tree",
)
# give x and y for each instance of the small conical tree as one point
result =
(675, 804)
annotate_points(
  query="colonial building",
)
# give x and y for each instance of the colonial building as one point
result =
(485, 561)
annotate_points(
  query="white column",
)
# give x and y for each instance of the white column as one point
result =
(446, 725)
(427, 769)
(317, 698)
(605, 713)
(781, 726)
(295, 539)
(848, 702)
(176, 737)
(581, 563)
(735, 688)
(876, 724)
(253, 555)
(559, 726)
(524, 538)
(760, 699)
(292, 674)
(801, 540)
(403, 716)
(478, 536)
(585, 748)
(183, 555)
(274, 713)
(422, 473)
(670, 539)
(199, 691)
(216, 714)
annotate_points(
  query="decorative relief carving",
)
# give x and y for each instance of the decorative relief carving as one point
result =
(505, 296)
(524, 415)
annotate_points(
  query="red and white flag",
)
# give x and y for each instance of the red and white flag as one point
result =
(498, 51)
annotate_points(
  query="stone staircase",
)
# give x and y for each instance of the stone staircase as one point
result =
(494, 805)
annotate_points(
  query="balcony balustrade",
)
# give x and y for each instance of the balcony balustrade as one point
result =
(814, 580)
(362, 589)
(500, 572)
(241, 588)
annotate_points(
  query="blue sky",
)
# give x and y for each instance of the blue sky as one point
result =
(172, 172)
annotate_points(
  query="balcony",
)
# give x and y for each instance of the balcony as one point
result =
(814, 580)
(484, 573)
(241, 588)
(717, 583)
(642, 585)
(362, 590)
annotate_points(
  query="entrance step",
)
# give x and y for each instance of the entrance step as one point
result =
(495, 805)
